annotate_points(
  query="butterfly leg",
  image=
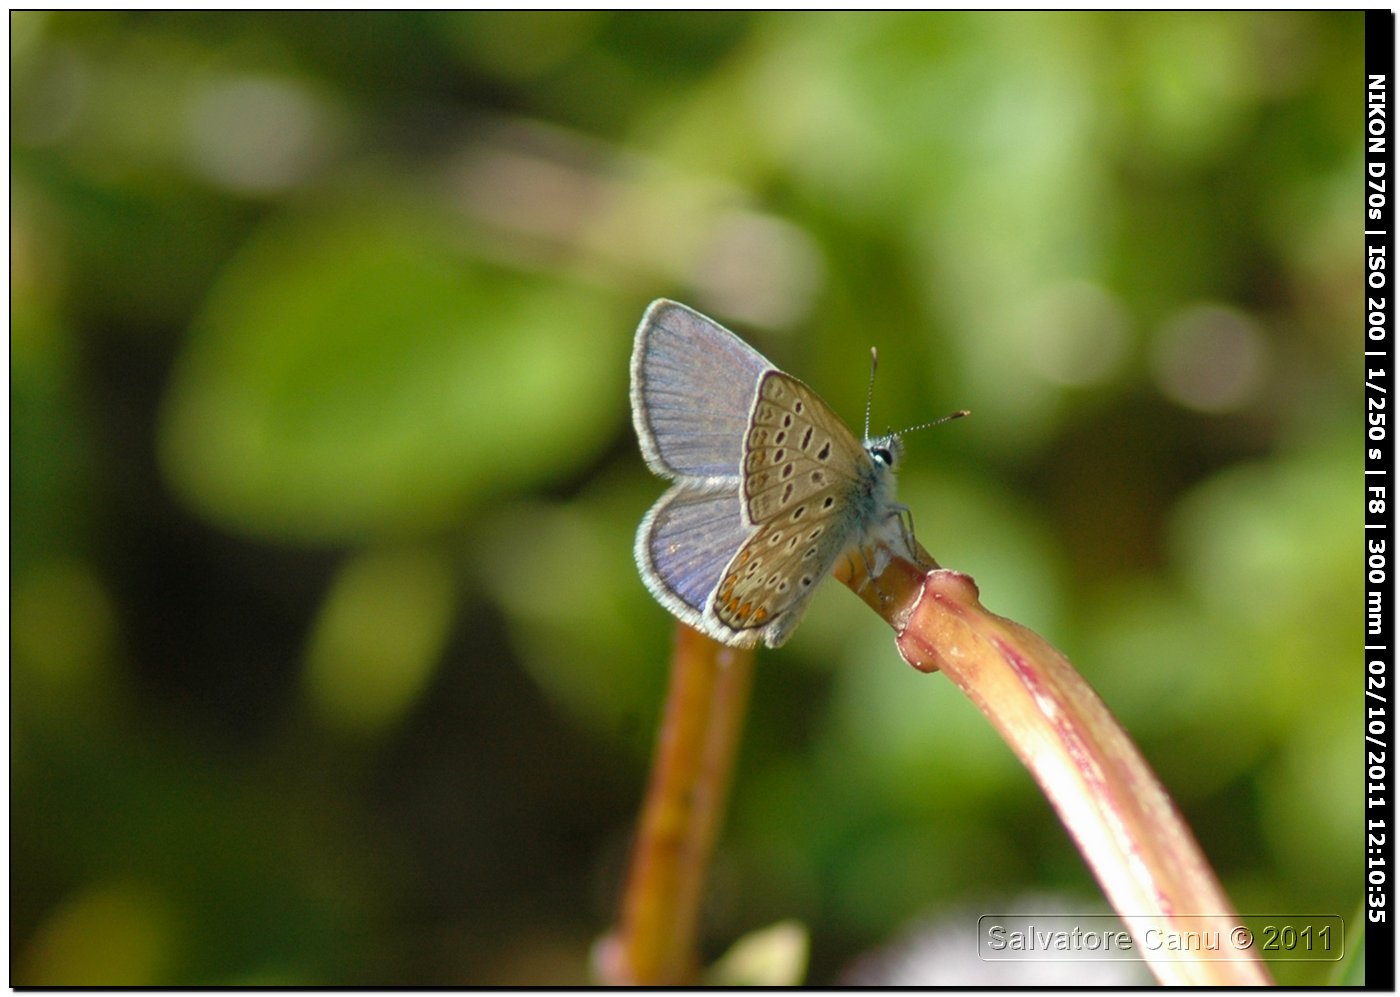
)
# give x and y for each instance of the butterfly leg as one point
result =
(870, 574)
(906, 524)
(906, 529)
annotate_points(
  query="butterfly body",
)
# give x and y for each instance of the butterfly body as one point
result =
(771, 487)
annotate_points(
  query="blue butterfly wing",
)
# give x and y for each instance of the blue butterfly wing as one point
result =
(683, 546)
(693, 385)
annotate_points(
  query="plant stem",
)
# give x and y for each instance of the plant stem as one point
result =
(655, 942)
(1133, 838)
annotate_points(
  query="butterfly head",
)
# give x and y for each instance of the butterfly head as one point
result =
(886, 451)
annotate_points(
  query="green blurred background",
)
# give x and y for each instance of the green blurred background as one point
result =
(330, 664)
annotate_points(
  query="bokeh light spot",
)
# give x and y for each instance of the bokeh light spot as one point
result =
(1211, 358)
(61, 622)
(378, 637)
(109, 935)
(1078, 334)
(257, 134)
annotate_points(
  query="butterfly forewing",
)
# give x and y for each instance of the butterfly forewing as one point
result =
(796, 448)
(801, 469)
(692, 386)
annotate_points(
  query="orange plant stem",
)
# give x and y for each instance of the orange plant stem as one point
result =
(655, 942)
(1134, 840)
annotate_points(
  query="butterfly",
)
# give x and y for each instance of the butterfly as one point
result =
(771, 489)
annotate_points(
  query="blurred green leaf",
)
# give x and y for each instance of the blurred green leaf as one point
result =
(354, 374)
(576, 606)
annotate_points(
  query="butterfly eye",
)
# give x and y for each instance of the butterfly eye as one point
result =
(882, 455)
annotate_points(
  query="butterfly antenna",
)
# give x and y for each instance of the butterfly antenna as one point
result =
(870, 390)
(938, 422)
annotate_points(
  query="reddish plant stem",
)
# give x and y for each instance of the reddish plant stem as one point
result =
(655, 942)
(1139, 848)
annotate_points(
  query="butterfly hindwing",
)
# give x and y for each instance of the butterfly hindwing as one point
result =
(684, 545)
(802, 472)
